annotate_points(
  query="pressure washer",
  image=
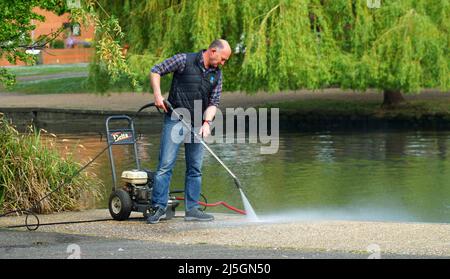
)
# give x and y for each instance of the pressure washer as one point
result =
(135, 193)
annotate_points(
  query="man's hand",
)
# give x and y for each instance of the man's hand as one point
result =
(159, 102)
(155, 83)
(205, 130)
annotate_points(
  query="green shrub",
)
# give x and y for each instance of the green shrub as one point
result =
(57, 44)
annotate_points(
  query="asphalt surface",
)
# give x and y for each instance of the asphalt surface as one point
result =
(16, 244)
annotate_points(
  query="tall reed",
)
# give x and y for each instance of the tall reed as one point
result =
(30, 168)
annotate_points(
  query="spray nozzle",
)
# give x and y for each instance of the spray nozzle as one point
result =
(237, 182)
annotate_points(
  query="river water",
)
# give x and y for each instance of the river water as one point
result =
(385, 176)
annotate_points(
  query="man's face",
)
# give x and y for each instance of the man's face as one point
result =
(219, 57)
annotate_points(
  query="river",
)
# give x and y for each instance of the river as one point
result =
(351, 175)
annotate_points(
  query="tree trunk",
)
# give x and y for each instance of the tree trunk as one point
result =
(392, 98)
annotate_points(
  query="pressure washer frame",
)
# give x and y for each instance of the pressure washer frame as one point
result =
(130, 197)
(129, 139)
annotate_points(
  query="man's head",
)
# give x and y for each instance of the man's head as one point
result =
(218, 52)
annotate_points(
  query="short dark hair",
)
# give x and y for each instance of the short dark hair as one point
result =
(217, 44)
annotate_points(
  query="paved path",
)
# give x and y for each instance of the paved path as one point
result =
(30, 245)
(132, 101)
(228, 234)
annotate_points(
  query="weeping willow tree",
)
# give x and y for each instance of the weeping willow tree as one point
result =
(278, 44)
(396, 47)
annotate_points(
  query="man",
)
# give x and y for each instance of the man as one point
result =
(196, 79)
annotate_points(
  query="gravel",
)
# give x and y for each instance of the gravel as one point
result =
(428, 239)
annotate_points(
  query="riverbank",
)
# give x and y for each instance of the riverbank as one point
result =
(303, 100)
(297, 238)
(303, 110)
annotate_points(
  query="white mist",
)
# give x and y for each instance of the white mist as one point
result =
(250, 213)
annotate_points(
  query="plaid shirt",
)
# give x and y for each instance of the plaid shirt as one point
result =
(177, 63)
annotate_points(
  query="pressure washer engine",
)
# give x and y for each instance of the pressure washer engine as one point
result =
(135, 193)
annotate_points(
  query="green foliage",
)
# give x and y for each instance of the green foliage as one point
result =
(287, 46)
(57, 44)
(293, 44)
(280, 44)
(7, 78)
(31, 167)
(109, 56)
(402, 46)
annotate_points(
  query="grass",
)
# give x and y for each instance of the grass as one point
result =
(41, 70)
(30, 168)
(36, 83)
(52, 86)
(60, 85)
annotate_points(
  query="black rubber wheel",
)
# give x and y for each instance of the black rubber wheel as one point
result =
(120, 205)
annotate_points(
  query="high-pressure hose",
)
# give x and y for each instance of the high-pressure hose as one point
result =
(225, 204)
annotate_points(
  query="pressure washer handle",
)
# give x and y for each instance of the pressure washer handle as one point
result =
(168, 105)
(147, 106)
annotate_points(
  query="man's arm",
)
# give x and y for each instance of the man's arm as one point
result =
(174, 63)
(210, 112)
(155, 81)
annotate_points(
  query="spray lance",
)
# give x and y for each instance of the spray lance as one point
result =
(248, 208)
(180, 117)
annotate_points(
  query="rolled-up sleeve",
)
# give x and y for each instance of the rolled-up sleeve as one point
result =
(170, 65)
(214, 99)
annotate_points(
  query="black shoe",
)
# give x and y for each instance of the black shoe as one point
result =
(158, 214)
(197, 215)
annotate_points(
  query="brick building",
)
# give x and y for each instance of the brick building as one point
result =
(73, 45)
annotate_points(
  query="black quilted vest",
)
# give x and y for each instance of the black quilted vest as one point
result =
(192, 84)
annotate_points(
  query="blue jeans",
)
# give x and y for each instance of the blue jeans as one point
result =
(173, 135)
